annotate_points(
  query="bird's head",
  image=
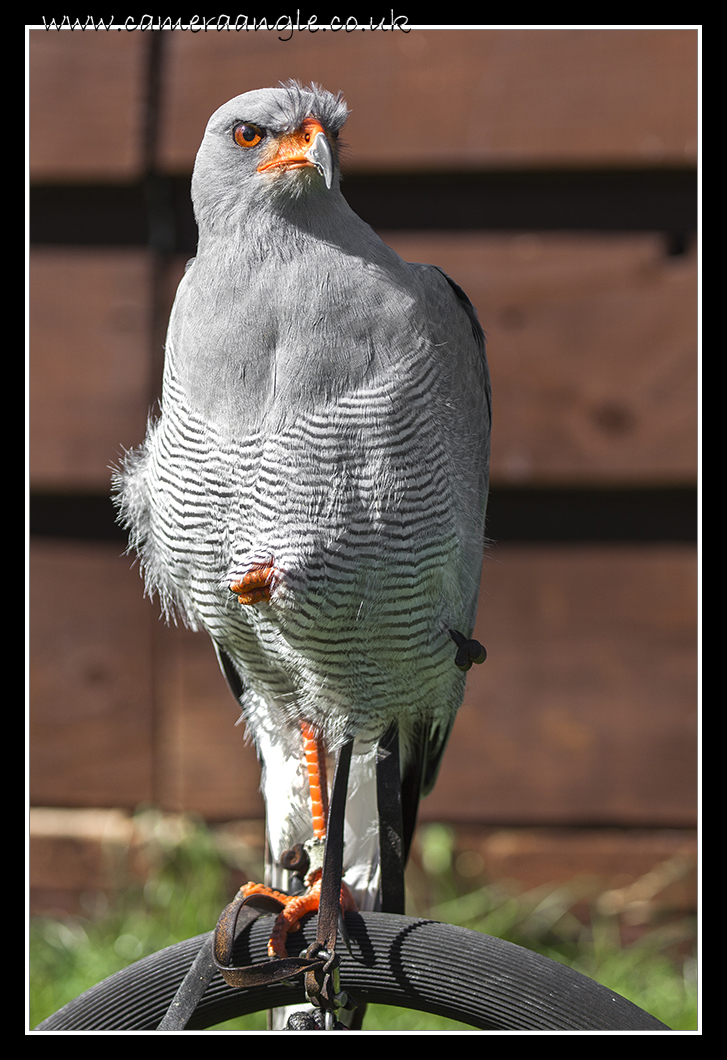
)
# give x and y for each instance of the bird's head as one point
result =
(266, 147)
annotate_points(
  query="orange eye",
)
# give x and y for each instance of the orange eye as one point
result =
(247, 135)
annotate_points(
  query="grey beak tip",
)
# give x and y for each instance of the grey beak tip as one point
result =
(321, 156)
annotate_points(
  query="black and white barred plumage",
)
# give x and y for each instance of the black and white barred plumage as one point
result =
(325, 406)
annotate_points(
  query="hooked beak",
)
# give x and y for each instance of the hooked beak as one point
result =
(307, 146)
(321, 156)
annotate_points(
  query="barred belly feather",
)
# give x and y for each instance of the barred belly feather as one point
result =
(325, 417)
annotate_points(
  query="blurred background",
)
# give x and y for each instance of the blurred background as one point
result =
(553, 175)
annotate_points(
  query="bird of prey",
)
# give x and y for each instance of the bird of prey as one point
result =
(313, 492)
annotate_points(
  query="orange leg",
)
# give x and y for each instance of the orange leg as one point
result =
(295, 907)
(256, 583)
(315, 758)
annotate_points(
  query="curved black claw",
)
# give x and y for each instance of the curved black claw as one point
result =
(468, 651)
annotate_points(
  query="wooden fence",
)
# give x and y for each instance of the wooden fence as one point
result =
(552, 173)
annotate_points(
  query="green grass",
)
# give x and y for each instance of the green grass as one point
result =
(67, 956)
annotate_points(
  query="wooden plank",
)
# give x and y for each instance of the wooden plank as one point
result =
(86, 105)
(601, 860)
(585, 711)
(641, 876)
(593, 351)
(123, 709)
(89, 362)
(205, 763)
(453, 99)
(90, 678)
(634, 880)
(75, 854)
(78, 857)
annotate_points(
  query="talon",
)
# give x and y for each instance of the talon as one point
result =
(294, 908)
(256, 583)
(253, 890)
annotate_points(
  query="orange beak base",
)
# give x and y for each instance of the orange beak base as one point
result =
(298, 149)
